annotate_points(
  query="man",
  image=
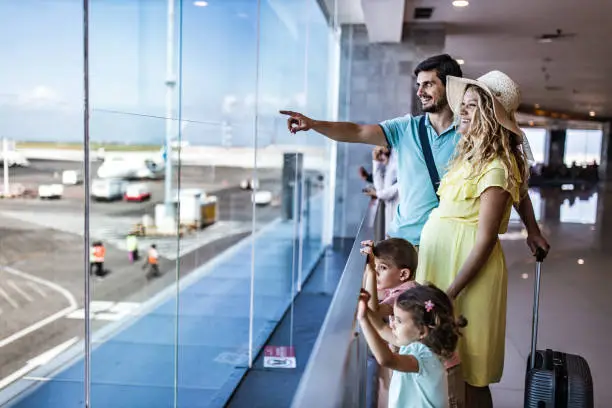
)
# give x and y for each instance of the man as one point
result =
(131, 242)
(152, 263)
(416, 195)
(96, 255)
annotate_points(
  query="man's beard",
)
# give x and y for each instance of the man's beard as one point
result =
(436, 107)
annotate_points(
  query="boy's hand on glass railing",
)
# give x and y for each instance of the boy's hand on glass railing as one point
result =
(367, 249)
(362, 307)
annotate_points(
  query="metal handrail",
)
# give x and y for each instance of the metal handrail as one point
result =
(335, 375)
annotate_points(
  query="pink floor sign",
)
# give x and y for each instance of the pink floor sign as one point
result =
(279, 357)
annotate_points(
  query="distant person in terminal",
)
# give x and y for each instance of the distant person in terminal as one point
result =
(384, 178)
(416, 196)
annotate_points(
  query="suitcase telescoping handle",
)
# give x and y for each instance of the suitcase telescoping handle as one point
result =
(539, 255)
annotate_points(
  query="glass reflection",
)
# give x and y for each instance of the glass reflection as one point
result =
(581, 208)
(565, 204)
(41, 226)
(183, 337)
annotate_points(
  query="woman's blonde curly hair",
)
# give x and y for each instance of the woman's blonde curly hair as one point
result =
(487, 140)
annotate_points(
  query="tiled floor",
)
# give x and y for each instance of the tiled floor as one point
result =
(575, 306)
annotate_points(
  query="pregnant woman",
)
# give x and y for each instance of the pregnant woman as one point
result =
(460, 250)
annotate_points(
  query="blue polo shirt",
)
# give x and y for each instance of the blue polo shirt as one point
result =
(416, 194)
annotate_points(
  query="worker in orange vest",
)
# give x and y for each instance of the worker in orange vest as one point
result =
(96, 255)
(152, 262)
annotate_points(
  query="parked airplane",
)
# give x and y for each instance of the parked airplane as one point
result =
(134, 166)
(14, 158)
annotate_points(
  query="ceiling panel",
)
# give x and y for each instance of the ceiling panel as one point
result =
(501, 34)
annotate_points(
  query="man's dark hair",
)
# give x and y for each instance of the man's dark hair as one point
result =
(443, 64)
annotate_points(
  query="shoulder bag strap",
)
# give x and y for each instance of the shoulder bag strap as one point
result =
(429, 160)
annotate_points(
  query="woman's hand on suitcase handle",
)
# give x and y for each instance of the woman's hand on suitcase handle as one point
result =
(362, 307)
(537, 241)
(540, 254)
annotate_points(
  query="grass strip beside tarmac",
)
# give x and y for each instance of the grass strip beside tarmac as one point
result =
(94, 146)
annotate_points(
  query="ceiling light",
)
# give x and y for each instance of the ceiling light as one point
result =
(592, 114)
(525, 276)
(200, 3)
(460, 61)
(537, 106)
(461, 3)
(545, 40)
(581, 262)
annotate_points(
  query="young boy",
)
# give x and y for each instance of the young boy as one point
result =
(389, 272)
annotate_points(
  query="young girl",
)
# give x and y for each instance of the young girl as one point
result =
(424, 328)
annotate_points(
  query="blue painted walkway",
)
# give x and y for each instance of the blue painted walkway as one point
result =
(274, 387)
(140, 366)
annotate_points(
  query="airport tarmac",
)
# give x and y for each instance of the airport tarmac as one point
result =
(208, 178)
(42, 254)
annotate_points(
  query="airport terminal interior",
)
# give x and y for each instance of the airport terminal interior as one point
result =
(167, 241)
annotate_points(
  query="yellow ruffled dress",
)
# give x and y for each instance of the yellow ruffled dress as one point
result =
(446, 241)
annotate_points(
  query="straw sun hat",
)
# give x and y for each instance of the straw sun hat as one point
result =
(503, 91)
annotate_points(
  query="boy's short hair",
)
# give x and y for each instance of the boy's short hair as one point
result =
(398, 252)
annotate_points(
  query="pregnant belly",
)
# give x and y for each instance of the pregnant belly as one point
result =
(446, 236)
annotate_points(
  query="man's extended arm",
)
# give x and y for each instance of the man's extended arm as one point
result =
(338, 131)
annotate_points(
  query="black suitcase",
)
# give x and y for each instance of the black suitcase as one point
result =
(554, 379)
